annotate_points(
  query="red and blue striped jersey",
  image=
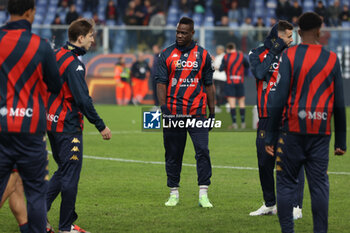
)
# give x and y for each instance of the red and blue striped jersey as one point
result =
(309, 92)
(264, 66)
(234, 64)
(27, 71)
(186, 72)
(66, 109)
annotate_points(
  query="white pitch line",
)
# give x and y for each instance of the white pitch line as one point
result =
(115, 132)
(186, 164)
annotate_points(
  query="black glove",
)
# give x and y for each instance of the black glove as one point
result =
(211, 118)
(278, 46)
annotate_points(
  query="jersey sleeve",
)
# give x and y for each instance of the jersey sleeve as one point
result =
(77, 85)
(51, 75)
(279, 100)
(162, 70)
(339, 110)
(260, 69)
(208, 71)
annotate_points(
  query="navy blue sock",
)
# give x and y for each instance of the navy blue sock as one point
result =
(233, 115)
(242, 113)
(24, 228)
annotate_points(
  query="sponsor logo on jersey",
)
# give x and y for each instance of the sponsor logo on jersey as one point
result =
(16, 112)
(79, 68)
(312, 115)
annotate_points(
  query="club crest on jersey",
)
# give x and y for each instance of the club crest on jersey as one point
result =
(79, 68)
(197, 54)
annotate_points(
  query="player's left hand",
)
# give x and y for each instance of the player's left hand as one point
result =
(339, 151)
(211, 118)
(106, 133)
(270, 150)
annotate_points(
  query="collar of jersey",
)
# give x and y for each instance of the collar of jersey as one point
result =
(184, 49)
(75, 49)
(19, 24)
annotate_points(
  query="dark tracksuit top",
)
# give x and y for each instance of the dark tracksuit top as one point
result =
(264, 66)
(28, 70)
(66, 110)
(308, 94)
(185, 71)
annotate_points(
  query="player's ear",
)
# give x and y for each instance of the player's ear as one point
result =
(299, 32)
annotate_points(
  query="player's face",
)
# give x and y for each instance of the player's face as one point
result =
(87, 40)
(184, 34)
(286, 36)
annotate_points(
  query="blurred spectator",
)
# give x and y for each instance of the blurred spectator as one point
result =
(282, 10)
(122, 79)
(62, 9)
(217, 8)
(321, 10)
(150, 10)
(140, 12)
(156, 51)
(72, 14)
(158, 20)
(90, 5)
(295, 10)
(57, 33)
(65, 2)
(233, 14)
(97, 20)
(273, 21)
(198, 6)
(98, 33)
(130, 17)
(260, 33)
(243, 7)
(140, 73)
(345, 14)
(111, 12)
(3, 5)
(185, 7)
(324, 36)
(219, 78)
(334, 12)
(248, 34)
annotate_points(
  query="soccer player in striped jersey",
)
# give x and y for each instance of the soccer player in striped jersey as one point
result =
(234, 64)
(27, 71)
(65, 122)
(264, 62)
(309, 92)
(184, 88)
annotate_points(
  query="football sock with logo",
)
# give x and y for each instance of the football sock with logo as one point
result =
(203, 189)
(24, 228)
(242, 113)
(233, 115)
(174, 191)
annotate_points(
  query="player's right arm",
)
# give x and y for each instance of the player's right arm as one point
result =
(162, 79)
(339, 113)
(258, 68)
(278, 103)
(51, 75)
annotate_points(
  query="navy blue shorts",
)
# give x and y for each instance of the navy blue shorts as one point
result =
(234, 90)
(29, 153)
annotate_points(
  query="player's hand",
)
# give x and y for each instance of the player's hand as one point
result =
(165, 110)
(211, 118)
(106, 133)
(270, 150)
(339, 151)
(277, 46)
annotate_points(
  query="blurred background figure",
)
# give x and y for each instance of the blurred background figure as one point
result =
(122, 79)
(140, 72)
(219, 78)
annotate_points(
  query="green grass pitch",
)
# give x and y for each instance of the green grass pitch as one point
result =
(127, 194)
